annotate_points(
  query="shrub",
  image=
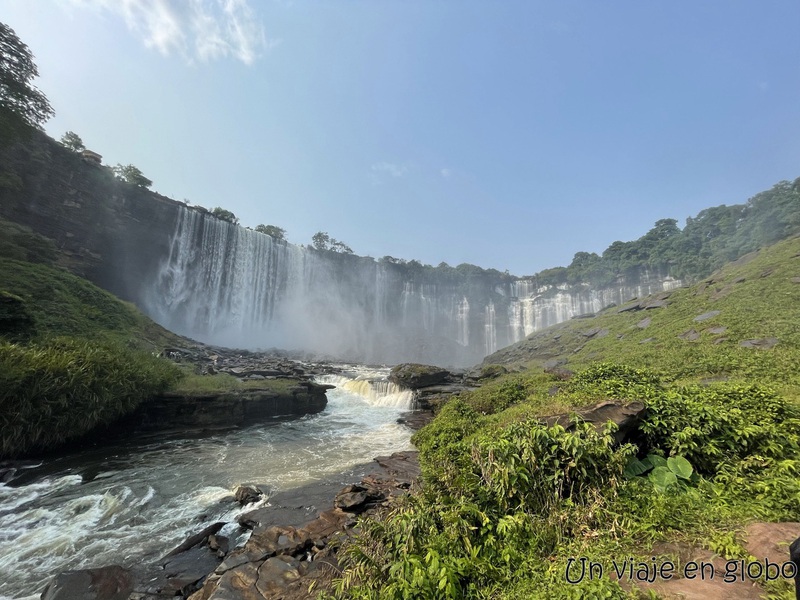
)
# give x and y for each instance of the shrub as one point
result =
(58, 390)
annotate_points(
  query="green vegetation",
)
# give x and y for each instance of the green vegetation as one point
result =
(714, 237)
(72, 356)
(277, 233)
(61, 388)
(192, 384)
(506, 501)
(72, 141)
(20, 243)
(131, 174)
(22, 105)
(325, 243)
(225, 215)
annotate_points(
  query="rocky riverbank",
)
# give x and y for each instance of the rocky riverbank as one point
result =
(293, 541)
(293, 544)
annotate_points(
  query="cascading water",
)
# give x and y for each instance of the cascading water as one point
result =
(228, 285)
(131, 503)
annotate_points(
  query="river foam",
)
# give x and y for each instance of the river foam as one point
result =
(133, 502)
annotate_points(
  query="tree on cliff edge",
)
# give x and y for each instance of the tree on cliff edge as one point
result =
(22, 105)
(72, 141)
(273, 231)
(132, 175)
(225, 215)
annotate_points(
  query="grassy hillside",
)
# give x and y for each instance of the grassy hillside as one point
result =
(72, 356)
(757, 297)
(506, 501)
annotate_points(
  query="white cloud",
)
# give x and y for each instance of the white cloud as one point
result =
(202, 29)
(446, 173)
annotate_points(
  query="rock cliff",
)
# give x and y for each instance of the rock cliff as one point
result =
(224, 284)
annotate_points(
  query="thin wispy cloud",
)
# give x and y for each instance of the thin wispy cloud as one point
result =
(446, 173)
(195, 29)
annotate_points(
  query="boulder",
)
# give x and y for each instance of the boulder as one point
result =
(106, 583)
(626, 416)
(705, 316)
(351, 501)
(415, 376)
(247, 494)
(276, 574)
(764, 343)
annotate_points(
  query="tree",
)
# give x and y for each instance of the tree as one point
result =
(22, 105)
(321, 240)
(225, 215)
(132, 175)
(72, 141)
(325, 243)
(274, 232)
(337, 246)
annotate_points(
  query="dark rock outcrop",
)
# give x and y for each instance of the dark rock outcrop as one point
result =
(414, 376)
(626, 416)
(106, 583)
(247, 494)
(282, 561)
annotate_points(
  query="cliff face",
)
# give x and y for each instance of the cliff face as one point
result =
(228, 285)
(112, 233)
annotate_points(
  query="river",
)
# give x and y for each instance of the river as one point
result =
(133, 501)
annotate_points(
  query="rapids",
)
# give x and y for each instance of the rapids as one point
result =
(134, 501)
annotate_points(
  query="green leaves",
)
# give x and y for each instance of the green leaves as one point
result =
(680, 467)
(663, 472)
(662, 478)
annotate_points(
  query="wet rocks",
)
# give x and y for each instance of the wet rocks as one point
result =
(352, 498)
(106, 583)
(247, 494)
(282, 561)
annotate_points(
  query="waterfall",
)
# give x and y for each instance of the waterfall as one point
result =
(376, 392)
(228, 285)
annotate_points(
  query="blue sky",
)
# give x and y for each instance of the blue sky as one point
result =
(505, 134)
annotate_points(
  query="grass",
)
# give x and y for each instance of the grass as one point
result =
(62, 304)
(506, 501)
(192, 384)
(72, 356)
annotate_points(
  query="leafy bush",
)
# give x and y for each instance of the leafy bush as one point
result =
(610, 380)
(529, 488)
(722, 425)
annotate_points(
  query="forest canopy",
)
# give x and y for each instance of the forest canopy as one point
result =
(714, 237)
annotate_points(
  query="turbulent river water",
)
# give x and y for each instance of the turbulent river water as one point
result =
(134, 501)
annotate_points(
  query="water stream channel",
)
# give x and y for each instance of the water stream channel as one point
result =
(133, 501)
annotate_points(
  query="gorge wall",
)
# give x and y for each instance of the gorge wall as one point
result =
(224, 284)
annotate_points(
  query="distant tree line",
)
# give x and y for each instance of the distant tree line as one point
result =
(714, 237)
